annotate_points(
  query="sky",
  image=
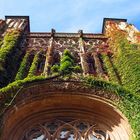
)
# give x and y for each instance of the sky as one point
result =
(71, 15)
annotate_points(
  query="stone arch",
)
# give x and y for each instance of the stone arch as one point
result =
(47, 101)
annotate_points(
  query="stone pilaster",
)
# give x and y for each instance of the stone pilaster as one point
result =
(83, 57)
(49, 55)
(98, 65)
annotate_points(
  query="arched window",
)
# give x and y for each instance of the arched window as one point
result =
(65, 130)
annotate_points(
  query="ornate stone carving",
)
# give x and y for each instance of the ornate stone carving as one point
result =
(65, 130)
(37, 44)
(66, 43)
(52, 87)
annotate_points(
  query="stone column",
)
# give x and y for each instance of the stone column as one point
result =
(49, 55)
(84, 64)
(83, 55)
(98, 65)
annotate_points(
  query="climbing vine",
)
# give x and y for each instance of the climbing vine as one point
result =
(128, 64)
(67, 65)
(34, 65)
(24, 67)
(10, 54)
(109, 67)
(129, 103)
(126, 59)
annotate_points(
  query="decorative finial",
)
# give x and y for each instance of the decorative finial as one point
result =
(80, 33)
(52, 32)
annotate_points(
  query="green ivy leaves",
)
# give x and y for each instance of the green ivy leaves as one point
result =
(9, 56)
(67, 65)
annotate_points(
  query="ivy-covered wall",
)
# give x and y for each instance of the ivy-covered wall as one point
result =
(122, 67)
(10, 53)
(24, 67)
(110, 68)
(128, 64)
(129, 102)
(126, 60)
(34, 65)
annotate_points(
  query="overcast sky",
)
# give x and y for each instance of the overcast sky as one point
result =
(71, 15)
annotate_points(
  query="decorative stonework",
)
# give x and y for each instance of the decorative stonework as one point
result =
(65, 130)
(52, 87)
(71, 41)
(37, 44)
(66, 43)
